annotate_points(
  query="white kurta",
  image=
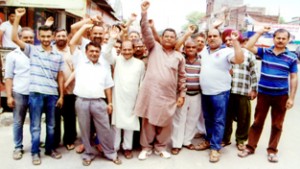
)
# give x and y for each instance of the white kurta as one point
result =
(128, 75)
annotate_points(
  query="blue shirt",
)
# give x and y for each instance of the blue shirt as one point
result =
(275, 70)
(44, 67)
(17, 68)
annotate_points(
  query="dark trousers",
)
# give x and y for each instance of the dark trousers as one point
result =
(239, 109)
(69, 121)
(278, 110)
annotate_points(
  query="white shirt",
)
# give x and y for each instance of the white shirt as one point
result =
(91, 79)
(17, 67)
(214, 76)
(102, 60)
(6, 28)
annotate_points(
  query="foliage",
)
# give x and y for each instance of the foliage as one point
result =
(281, 20)
(193, 18)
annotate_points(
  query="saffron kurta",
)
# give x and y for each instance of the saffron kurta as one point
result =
(164, 81)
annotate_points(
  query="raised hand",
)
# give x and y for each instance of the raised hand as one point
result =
(20, 12)
(133, 17)
(151, 22)
(192, 28)
(234, 35)
(49, 21)
(97, 20)
(114, 32)
(145, 5)
(265, 29)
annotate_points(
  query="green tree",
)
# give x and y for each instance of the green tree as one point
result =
(281, 20)
(193, 18)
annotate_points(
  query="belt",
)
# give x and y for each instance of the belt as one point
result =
(83, 98)
(192, 94)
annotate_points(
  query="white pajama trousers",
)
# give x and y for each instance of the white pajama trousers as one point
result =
(127, 139)
(185, 121)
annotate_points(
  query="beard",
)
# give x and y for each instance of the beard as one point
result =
(61, 43)
(97, 40)
(29, 41)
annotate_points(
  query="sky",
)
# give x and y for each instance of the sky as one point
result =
(172, 13)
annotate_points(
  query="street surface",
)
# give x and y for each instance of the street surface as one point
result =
(289, 151)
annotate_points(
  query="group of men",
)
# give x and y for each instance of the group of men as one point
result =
(171, 94)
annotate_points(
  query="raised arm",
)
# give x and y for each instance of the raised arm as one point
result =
(77, 37)
(146, 32)
(125, 27)
(154, 32)
(191, 29)
(238, 52)
(95, 20)
(107, 48)
(251, 43)
(14, 36)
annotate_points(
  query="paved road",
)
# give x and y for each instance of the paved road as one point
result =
(289, 152)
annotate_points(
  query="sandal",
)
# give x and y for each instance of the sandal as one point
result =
(224, 144)
(240, 146)
(128, 154)
(175, 151)
(36, 159)
(54, 154)
(17, 154)
(86, 162)
(80, 149)
(203, 146)
(42, 145)
(245, 153)
(214, 156)
(273, 158)
(190, 146)
(163, 154)
(117, 161)
(70, 147)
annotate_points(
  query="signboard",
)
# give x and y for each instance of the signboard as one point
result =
(293, 29)
(58, 4)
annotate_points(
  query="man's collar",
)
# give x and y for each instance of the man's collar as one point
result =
(64, 50)
(221, 47)
(87, 60)
(285, 51)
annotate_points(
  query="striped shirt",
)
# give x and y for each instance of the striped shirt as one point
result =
(275, 70)
(192, 76)
(244, 78)
(44, 67)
